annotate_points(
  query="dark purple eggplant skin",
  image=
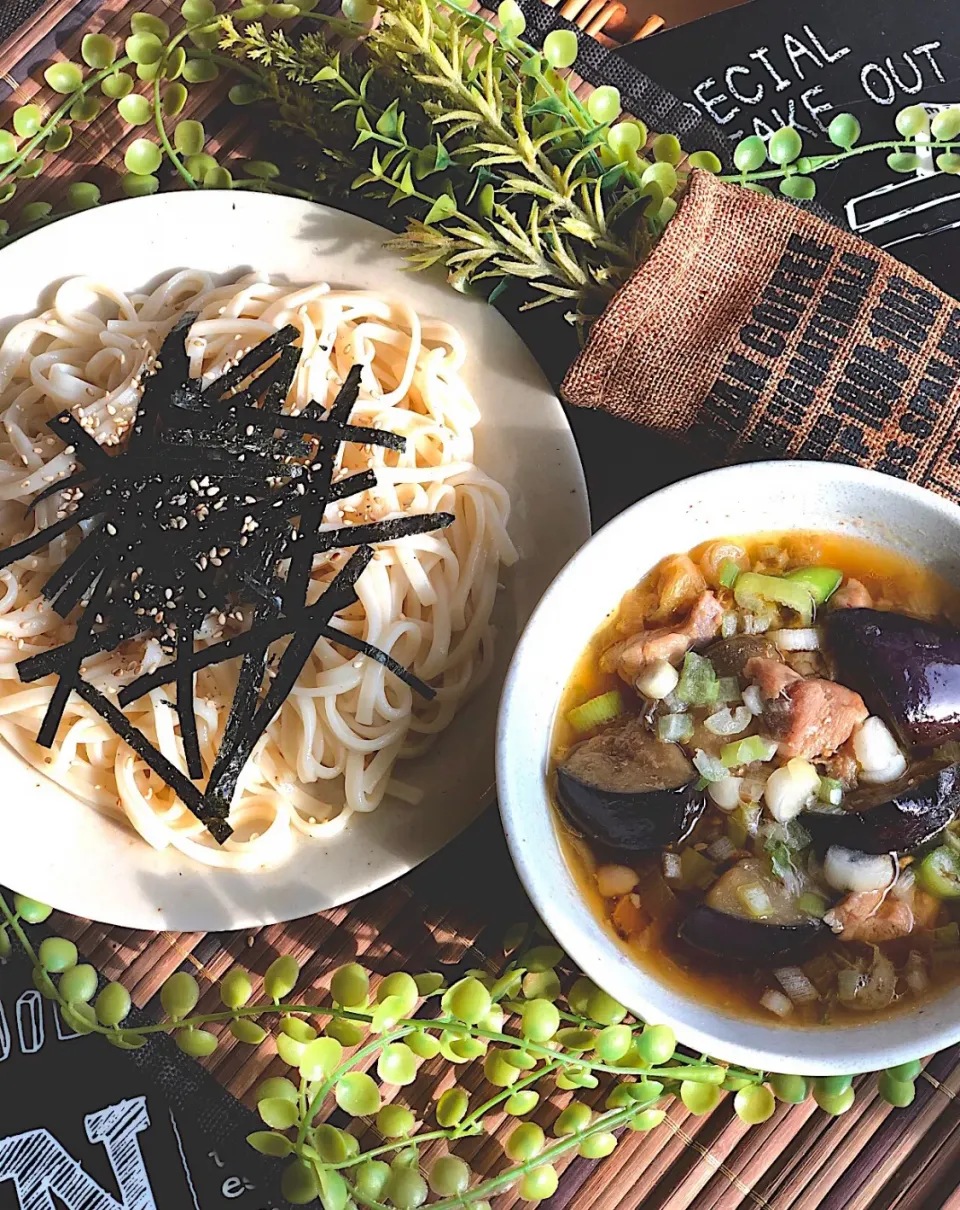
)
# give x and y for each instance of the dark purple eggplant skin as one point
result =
(891, 819)
(629, 823)
(906, 670)
(737, 939)
(730, 656)
(628, 791)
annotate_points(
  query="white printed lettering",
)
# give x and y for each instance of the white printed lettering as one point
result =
(40, 1167)
(791, 118)
(795, 51)
(64, 1032)
(867, 73)
(710, 103)
(806, 100)
(927, 49)
(760, 54)
(827, 56)
(917, 84)
(754, 98)
(30, 1030)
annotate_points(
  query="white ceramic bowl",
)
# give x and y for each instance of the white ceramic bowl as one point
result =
(736, 500)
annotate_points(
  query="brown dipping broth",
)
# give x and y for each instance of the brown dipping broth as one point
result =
(645, 922)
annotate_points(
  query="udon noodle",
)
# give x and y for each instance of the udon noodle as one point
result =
(427, 600)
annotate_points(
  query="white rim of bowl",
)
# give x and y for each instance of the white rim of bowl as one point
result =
(591, 947)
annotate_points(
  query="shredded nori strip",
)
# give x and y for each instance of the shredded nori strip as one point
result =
(382, 657)
(312, 515)
(185, 707)
(71, 432)
(233, 756)
(78, 560)
(217, 491)
(86, 508)
(247, 693)
(380, 531)
(171, 370)
(336, 596)
(58, 702)
(75, 480)
(251, 362)
(185, 790)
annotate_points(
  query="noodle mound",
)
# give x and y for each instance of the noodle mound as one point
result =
(427, 599)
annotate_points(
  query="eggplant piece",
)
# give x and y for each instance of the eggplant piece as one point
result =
(721, 927)
(750, 942)
(629, 791)
(906, 670)
(895, 818)
(729, 656)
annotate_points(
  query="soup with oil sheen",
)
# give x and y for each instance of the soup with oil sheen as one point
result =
(755, 770)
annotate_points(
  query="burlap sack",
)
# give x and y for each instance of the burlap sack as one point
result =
(758, 328)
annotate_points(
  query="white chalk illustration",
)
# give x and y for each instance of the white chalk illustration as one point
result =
(40, 1167)
(892, 209)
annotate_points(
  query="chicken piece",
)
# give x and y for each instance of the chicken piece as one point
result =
(926, 909)
(813, 717)
(871, 916)
(770, 676)
(668, 642)
(633, 654)
(843, 766)
(852, 595)
(806, 663)
(679, 583)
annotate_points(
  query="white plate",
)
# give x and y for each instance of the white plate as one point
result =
(63, 852)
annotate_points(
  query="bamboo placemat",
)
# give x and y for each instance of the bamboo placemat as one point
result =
(455, 908)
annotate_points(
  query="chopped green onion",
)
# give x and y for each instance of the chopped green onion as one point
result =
(746, 751)
(698, 684)
(729, 722)
(830, 791)
(821, 582)
(737, 829)
(781, 861)
(755, 899)
(729, 573)
(708, 766)
(753, 591)
(674, 728)
(752, 813)
(673, 703)
(939, 873)
(728, 624)
(696, 871)
(728, 689)
(597, 711)
(812, 904)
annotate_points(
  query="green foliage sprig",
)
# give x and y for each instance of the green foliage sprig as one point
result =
(499, 172)
(934, 141)
(530, 1035)
(504, 173)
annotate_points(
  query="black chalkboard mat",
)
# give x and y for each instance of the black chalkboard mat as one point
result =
(767, 64)
(84, 1126)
